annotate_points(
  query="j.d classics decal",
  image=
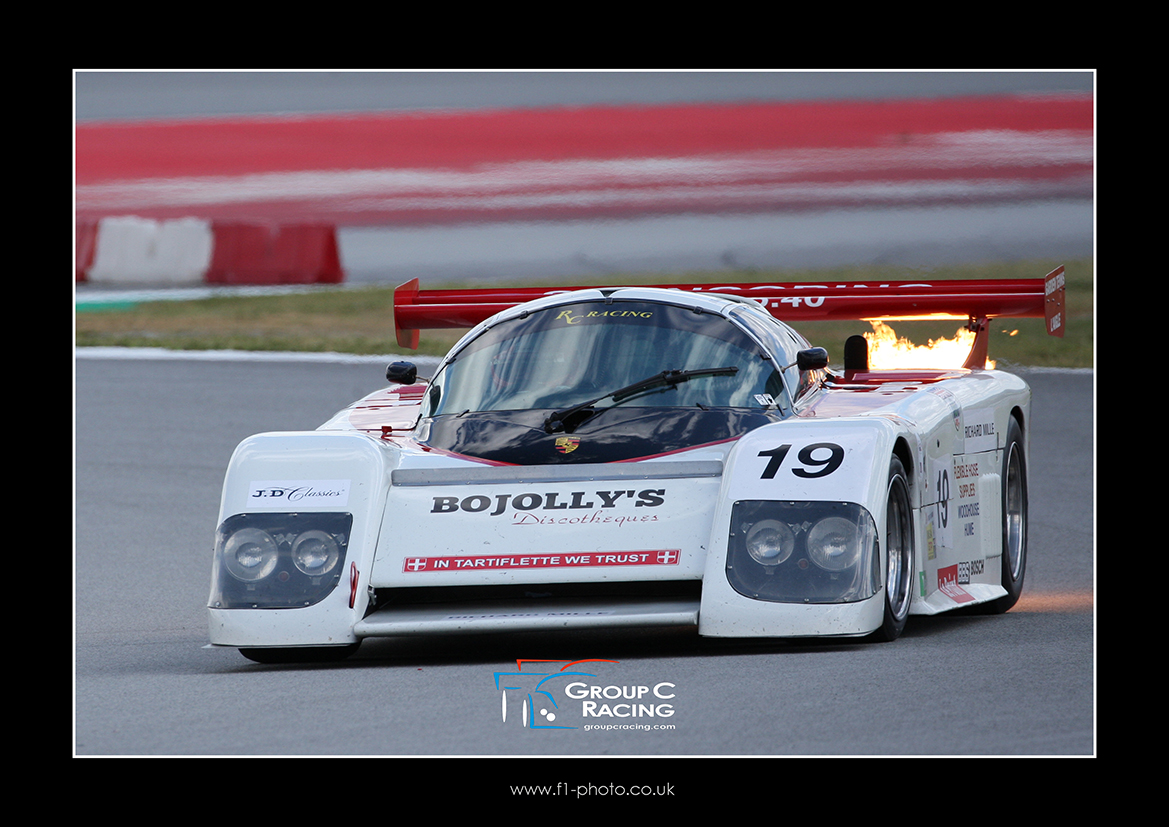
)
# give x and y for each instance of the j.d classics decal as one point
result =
(281, 493)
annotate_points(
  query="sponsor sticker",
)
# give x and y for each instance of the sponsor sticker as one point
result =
(482, 562)
(496, 504)
(569, 317)
(978, 431)
(969, 569)
(952, 402)
(302, 493)
(948, 580)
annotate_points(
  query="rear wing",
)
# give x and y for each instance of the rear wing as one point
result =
(974, 300)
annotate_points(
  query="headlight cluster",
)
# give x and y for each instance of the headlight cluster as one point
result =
(803, 552)
(268, 561)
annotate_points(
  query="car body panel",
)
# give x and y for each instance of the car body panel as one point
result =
(439, 541)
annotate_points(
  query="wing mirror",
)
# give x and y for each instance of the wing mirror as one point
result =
(814, 358)
(402, 373)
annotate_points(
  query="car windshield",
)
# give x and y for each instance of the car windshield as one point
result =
(569, 354)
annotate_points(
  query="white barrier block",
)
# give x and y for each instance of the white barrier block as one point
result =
(139, 250)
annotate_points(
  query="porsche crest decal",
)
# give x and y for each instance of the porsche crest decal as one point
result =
(567, 444)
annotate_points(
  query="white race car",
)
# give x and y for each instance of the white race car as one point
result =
(635, 456)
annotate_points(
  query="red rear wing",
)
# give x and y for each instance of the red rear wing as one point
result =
(976, 300)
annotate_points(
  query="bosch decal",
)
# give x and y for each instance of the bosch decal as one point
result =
(968, 569)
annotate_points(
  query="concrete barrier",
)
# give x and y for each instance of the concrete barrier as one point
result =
(274, 254)
(132, 250)
(86, 240)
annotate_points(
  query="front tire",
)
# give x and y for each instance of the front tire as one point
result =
(898, 555)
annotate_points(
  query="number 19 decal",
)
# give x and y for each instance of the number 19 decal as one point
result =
(813, 466)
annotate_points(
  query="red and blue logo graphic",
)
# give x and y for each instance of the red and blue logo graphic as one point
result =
(540, 709)
(576, 696)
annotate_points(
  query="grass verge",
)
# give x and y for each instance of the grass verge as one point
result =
(360, 320)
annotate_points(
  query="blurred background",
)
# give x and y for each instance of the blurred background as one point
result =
(134, 95)
(542, 176)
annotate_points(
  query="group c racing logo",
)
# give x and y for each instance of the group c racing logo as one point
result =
(554, 694)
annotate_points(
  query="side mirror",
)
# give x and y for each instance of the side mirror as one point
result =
(814, 358)
(402, 373)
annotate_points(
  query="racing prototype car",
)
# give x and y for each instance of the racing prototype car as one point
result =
(640, 456)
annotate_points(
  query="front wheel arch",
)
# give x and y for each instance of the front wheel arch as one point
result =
(1014, 528)
(897, 548)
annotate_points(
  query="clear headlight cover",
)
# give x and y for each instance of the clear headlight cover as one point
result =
(278, 560)
(770, 542)
(315, 553)
(250, 554)
(835, 543)
(803, 552)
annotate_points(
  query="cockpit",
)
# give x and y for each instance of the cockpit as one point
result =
(610, 379)
(569, 354)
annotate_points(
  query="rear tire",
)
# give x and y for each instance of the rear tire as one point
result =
(1014, 559)
(898, 555)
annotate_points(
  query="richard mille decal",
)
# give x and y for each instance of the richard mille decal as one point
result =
(979, 431)
(497, 504)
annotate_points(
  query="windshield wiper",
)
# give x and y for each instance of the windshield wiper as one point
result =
(556, 420)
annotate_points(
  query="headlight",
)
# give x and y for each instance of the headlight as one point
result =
(278, 560)
(250, 554)
(803, 552)
(770, 542)
(834, 543)
(315, 553)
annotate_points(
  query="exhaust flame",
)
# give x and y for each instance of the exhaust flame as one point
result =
(887, 351)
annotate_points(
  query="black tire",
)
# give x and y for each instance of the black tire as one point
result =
(301, 654)
(898, 549)
(1014, 506)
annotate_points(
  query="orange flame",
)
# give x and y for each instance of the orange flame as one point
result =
(888, 351)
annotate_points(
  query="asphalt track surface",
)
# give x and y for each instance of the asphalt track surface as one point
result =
(152, 446)
(153, 437)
